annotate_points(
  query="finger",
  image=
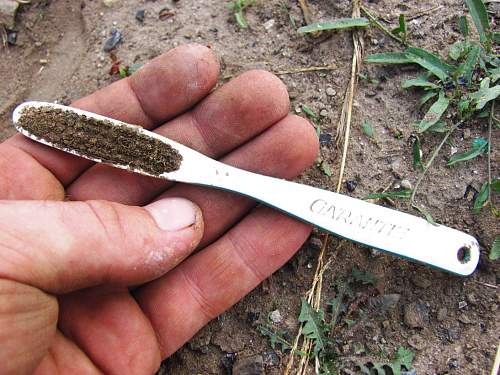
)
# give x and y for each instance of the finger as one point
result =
(283, 151)
(229, 117)
(28, 319)
(62, 246)
(163, 88)
(98, 319)
(190, 296)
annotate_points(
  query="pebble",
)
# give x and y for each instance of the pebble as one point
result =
(406, 184)
(8, 9)
(409, 372)
(453, 364)
(397, 169)
(420, 280)
(442, 313)
(325, 139)
(453, 333)
(112, 42)
(461, 305)
(140, 15)
(464, 319)
(276, 317)
(417, 342)
(268, 25)
(227, 362)
(416, 315)
(351, 185)
(249, 366)
(323, 113)
(315, 243)
(330, 91)
(271, 359)
(11, 37)
(298, 109)
(471, 297)
(467, 133)
(110, 3)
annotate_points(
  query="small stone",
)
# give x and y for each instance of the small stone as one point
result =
(8, 9)
(325, 139)
(271, 359)
(467, 133)
(453, 364)
(397, 169)
(351, 185)
(323, 113)
(461, 305)
(371, 93)
(249, 366)
(11, 37)
(410, 372)
(471, 297)
(112, 42)
(315, 243)
(298, 109)
(442, 313)
(276, 317)
(268, 25)
(417, 342)
(406, 184)
(330, 91)
(420, 280)
(464, 319)
(140, 15)
(227, 362)
(416, 315)
(453, 333)
(386, 324)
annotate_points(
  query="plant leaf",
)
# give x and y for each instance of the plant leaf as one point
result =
(405, 357)
(364, 277)
(458, 49)
(275, 338)
(429, 61)
(434, 113)
(367, 129)
(463, 26)
(495, 185)
(388, 58)
(314, 326)
(337, 24)
(417, 154)
(418, 82)
(401, 29)
(325, 168)
(495, 249)
(426, 214)
(485, 94)
(480, 17)
(241, 20)
(467, 68)
(481, 198)
(427, 96)
(309, 113)
(406, 194)
(479, 146)
(494, 74)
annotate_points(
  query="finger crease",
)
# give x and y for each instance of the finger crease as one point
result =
(204, 136)
(197, 294)
(141, 106)
(242, 246)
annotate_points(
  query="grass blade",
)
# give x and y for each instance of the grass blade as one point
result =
(427, 96)
(426, 214)
(434, 113)
(367, 129)
(480, 17)
(479, 146)
(388, 58)
(495, 249)
(419, 82)
(406, 194)
(467, 68)
(481, 198)
(463, 26)
(429, 61)
(417, 154)
(340, 23)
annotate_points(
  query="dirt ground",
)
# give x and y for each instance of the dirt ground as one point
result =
(59, 56)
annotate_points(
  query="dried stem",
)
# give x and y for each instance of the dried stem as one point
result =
(381, 27)
(490, 123)
(305, 11)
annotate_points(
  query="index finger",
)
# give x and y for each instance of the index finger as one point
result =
(162, 89)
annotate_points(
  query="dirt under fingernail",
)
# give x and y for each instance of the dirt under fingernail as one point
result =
(100, 139)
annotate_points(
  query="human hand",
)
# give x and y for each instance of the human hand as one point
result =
(90, 286)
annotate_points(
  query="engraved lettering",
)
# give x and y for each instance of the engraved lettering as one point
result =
(345, 216)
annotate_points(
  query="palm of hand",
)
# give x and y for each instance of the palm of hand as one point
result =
(75, 324)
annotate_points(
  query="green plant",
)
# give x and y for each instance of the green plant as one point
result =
(238, 7)
(463, 86)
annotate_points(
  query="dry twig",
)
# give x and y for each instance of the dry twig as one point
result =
(305, 11)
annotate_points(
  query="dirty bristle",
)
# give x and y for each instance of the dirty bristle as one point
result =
(100, 139)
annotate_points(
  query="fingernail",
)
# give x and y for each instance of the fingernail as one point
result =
(173, 214)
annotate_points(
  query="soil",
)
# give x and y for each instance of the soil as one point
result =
(451, 323)
(100, 139)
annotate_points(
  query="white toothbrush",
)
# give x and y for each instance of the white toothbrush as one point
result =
(375, 226)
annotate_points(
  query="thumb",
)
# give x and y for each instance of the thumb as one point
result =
(63, 246)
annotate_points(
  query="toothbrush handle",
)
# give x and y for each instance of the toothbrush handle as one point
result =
(375, 226)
